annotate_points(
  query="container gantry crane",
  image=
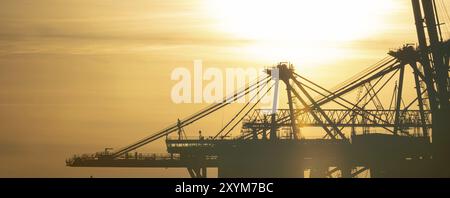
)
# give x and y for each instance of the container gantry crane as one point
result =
(402, 139)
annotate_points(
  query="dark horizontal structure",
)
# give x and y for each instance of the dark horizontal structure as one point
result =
(132, 161)
(348, 118)
(249, 158)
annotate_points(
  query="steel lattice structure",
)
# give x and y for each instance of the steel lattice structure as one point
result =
(386, 136)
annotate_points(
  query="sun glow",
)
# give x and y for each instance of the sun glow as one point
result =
(298, 30)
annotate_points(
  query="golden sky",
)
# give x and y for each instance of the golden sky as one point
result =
(77, 76)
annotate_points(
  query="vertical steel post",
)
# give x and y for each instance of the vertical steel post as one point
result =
(399, 100)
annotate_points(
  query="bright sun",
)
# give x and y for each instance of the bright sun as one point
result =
(297, 29)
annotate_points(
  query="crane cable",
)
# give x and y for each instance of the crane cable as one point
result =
(190, 119)
(240, 111)
(362, 73)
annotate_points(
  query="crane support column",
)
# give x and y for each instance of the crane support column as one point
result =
(273, 130)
